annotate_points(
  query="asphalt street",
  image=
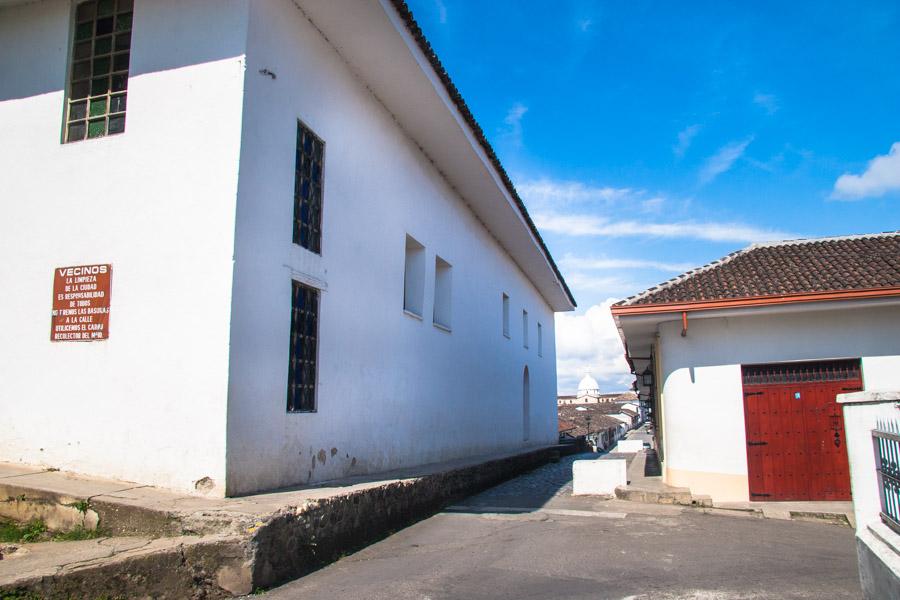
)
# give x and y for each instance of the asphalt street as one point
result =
(528, 538)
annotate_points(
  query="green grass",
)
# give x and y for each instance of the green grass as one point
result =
(36, 531)
(77, 534)
(19, 595)
(27, 532)
(81, 506)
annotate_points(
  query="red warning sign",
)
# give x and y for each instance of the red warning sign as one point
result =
(80, 303)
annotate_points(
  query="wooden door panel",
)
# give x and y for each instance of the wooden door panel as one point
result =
(795, 436)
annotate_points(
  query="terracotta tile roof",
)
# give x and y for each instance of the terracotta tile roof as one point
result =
(566, 426)
(847, 263)
(570, 414)
(424, 45)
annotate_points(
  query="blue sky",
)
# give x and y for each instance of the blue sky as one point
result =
(648, 138)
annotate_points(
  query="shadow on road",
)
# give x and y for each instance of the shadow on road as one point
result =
(651, 464)
(527, 492)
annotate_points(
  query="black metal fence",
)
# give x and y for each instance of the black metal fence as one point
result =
(886, 439)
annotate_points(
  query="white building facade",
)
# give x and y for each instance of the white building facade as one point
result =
(732, 377)
(319, 269)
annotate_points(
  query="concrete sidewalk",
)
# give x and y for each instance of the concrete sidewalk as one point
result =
(160, 542)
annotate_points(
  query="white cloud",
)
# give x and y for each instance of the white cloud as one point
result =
(586, 263)
(442, 11)
(591, 225)
(767, 101)
(590, 341)
(585, 24)
(652, 205)
(723, 160)
(685, 137)
(513, 120)
(597, 286)
(882, 175)
(551, 193)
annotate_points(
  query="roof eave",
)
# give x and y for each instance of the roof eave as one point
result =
(774, 300)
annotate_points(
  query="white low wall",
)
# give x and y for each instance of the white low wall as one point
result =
(598, 477)
(877, 544)
(626, 446)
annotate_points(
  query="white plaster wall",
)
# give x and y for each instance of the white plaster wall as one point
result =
(701, 373)
(393, 391)
(862, 411)
(158, 202)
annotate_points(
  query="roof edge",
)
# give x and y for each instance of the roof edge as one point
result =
(418, 35)
(835, 238)
(751, 301)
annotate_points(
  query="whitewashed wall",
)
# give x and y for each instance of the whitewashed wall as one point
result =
(158, 202)
(393, 391)
(702, 391)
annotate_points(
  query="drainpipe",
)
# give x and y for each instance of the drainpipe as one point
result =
(684, 323)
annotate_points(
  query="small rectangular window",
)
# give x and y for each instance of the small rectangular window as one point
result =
(302, 369)
(414, 277)
(442, 286)
(98, 74)
(308, 178)
(525, 328)
(540, 340)
(505, 315)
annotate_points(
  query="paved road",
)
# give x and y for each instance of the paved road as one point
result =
(493, 546)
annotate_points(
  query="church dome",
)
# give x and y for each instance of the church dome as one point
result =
(588, 386)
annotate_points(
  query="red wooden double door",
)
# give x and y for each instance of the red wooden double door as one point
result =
(796, 446)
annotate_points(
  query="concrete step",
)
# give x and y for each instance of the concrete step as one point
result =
(672, 495)
(126, 567)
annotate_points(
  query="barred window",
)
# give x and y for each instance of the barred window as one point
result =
(98, 80)
(308, 190)
(301, 395)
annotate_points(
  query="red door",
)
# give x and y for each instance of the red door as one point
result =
(795, 429)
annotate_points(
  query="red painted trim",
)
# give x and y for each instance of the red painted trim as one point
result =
(641, 309)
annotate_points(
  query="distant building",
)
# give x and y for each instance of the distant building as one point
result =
(588, 387)
(594, 396)
(598, 426)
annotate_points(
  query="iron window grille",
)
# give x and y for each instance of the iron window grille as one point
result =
(834, 370)
(98, 77)
(301, 396)
(886, 440)
(308, 189)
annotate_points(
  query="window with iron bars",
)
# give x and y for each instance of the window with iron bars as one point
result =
(301, 396)
(308, 179)
(98, 77)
